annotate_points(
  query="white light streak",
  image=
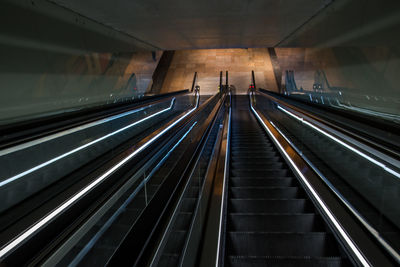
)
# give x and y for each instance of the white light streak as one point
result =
(226, 173)
(46, 163)
(353, 149)
(49, 217)
(337, 225)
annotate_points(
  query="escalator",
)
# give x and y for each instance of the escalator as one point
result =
(97, 251)
(101, 200)
(220, 175)
(369, 191)
(270, 220)
(181, 226)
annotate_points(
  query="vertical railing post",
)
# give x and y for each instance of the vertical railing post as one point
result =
(253, 80)
(220, 82)
(226, 83)
(194, 80)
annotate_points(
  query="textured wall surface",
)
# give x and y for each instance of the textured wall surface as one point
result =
(209, 62)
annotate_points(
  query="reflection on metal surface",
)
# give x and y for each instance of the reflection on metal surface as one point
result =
(46, 163)
(73, 130)
(48, 218)
(321, 203)
(121, 209)
(213, 198)
(353, 210)
(48, 81)
(353, 149)
(225, 146)
(67, 246)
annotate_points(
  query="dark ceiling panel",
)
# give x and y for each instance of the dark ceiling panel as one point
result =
(188, 24)
(351, 23)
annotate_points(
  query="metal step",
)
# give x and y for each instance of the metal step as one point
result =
(266, 192)
(261, 173)
(256, 165)
(302, 222)
(270, 205)
(242, 261)
(282, 181)
(281, 244)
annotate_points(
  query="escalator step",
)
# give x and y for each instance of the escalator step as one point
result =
(196, 182)
(168, 259)
(242, 154)
(260, 173)
(243, 131)
(239, 134)
(188, 204)
(256, 165)
(270, 206)
(275, 222)
(262, 181)
(247, 148)
(266, 192)
(244, 159)
(281, 244)
(239, 261)
(192, 192)
(182, 221)
(250, 143)
(175, 244)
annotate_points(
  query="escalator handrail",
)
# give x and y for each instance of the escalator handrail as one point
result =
(379, 144)
(344, 136)
(214, 230)
(24, 131)
(14, 244)
(345, 202)
(76, 149)
(356, 252)
(223, 172)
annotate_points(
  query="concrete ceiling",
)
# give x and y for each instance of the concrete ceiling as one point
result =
(191, 24)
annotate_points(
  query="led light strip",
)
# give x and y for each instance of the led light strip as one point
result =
(72, 130)
(370, 228)
(44, 164)
(78, 258)
(337, 225)
(177, 206)
(383, 166)
(14, 243)
(226, 167)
